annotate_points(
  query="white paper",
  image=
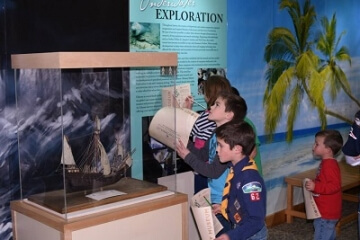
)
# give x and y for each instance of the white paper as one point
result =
(311, 208)
(170, 124)
(207, 223)
(104, 194)
(175, 96)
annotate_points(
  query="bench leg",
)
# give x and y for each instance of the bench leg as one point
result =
(338, 228)
(289, 207)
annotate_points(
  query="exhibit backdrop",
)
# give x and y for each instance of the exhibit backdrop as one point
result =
(196, 30)
(249, 24)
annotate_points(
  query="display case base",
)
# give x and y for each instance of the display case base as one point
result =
(62, 203)
(142, 219)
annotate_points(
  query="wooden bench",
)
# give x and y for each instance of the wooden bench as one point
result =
(350, 178)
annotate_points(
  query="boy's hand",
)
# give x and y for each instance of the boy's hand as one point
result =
(188, 103)
(223, 237)
(181, 150)
(216, 209)
(310, 185)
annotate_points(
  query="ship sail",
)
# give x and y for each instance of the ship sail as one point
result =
(95, 159)
(104, 160)
(67, 157)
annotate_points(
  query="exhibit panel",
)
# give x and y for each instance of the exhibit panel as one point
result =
(73, 127)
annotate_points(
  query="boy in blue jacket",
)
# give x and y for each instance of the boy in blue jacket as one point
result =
(244, 205)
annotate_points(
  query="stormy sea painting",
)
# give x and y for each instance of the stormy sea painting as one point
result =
(49, 104)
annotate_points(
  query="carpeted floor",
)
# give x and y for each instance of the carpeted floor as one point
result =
(302, 229)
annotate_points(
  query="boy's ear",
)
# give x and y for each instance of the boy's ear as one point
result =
(229, 115)
(238, 148)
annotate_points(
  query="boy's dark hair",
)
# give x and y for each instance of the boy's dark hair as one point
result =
(235, 104)
(332, 139)
(237, 133)
(235, 91)
(213, 85)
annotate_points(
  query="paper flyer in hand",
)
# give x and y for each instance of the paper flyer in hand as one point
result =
(175, 96)
(207, 223)
(311, 208)
(170, 124)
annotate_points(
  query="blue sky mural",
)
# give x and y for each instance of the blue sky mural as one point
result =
(247, 38)
(249, 23)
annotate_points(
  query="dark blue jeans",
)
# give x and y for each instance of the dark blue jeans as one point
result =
(260, 235)
(325, 229)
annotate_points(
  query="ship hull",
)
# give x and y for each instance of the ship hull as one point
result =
(87, 181)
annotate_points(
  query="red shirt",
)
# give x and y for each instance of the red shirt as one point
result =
(327, 191)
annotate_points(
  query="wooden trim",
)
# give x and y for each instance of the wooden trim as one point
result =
(14, 221)
(71, 60)
(68, 225)
(275, 219)
(280, 217)
(185, 217)
(350, 197)
(37, 214)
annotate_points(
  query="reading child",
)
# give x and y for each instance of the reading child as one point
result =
(227, 107)
(326, 187)
(204, 128)
(244, 199)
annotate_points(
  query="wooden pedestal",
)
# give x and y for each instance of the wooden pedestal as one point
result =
(164, 216)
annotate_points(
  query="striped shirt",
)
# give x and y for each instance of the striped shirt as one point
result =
(203, 127)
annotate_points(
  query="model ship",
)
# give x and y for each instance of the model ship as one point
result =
(94, 169)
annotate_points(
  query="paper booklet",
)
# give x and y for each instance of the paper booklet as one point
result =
(311, 208)
(175, 96)
(167, 129)
(207, 223)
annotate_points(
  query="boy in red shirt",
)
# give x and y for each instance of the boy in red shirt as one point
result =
(326, 187)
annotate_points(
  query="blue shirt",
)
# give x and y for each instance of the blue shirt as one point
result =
(216, 185)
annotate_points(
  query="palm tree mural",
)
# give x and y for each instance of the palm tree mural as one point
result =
(294, 71)
(330, 69)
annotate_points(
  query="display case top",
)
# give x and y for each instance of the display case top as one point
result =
(68, 60)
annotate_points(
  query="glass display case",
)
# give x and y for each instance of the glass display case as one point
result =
(80, 144)
(82, 120)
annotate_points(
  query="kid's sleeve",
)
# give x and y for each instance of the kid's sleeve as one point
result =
(329, 179)
(210, 170)
(201, 153)
(253, 209)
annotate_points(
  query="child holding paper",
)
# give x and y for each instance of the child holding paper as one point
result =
(227, 107)
(326, 187)
(204, 128)
(244, 204)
